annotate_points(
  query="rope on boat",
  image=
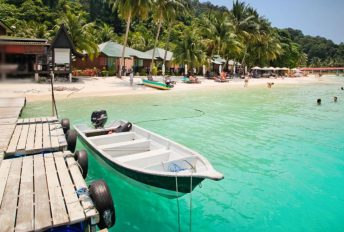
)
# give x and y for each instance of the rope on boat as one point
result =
(190, 210)
(177, 195)
(175, 168)
(166, 119)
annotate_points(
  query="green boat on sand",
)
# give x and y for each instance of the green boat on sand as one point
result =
(157, 84)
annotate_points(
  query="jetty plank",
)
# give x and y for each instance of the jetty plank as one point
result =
(10, 112)
(75, 210)
(30, 142)
(5, 135)
(43, 217)
(14, 140)
(58, 208)
(22, 139)
(53, 134)
(9, 202)
(46, 137)
(39, 137)
(12, 102)
(79, 182)
(25, 214)
(4, 171)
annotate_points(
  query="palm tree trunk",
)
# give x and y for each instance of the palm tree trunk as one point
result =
(122, 61)
(156, 42)
(167, 42)
(243, 60)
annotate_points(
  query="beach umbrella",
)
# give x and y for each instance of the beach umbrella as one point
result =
(204, 71)
(163, 69)
(256, 68)
(186, 69)
(265, 68)
(284, 68)
(271, 68)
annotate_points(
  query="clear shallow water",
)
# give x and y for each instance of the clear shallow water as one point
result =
(281, 154)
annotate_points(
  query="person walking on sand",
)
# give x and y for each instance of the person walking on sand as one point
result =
(131, 78)
(246, 81)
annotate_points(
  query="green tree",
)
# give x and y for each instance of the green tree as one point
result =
(105, 33)
(81, 32)
(189, 50)
(128, 9)
(162, 10)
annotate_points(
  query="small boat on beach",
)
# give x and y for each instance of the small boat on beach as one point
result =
(157, 84)
(147, 157)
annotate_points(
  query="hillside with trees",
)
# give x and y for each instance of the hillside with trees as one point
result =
(194, 31)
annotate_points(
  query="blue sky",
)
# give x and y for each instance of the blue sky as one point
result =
(313, 17)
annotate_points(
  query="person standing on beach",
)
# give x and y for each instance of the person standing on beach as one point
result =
(131, 78)
(246, 81)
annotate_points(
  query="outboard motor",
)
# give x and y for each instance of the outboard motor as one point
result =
(99, 118)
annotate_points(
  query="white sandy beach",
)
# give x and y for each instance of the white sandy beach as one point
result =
(112, 86)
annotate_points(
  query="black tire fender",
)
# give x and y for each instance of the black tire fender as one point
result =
(65, 123)
(102, 199)
(82, 158)
(71, 138)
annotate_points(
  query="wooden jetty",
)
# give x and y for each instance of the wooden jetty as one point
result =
(37, 135)
(10, 110)
(39, 179)
(40, 192)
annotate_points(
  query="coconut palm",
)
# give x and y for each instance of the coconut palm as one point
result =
(129, 9)
(218, 35)
(80, 32)
(189, 50)
(163, 10)
(105, 33)
(245, 21)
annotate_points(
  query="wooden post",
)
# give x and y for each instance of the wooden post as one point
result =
(36, 69)
(3, 61)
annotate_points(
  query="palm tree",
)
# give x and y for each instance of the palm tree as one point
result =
(219, 37)
(189, 50)
(128, 9)
(245, 24)
(80, 32)
(105, 33)
(162, 10)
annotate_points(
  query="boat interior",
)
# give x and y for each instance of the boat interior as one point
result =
(141, 149)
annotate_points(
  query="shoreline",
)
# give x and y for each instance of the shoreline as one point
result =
(112, 86)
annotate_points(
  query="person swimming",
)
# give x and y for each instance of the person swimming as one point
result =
(342, 88)
(319, 101)
(335, 99)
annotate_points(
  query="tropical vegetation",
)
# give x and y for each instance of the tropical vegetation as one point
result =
(194, 31)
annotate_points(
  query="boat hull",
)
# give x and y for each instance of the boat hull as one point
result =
(185, 184)
(156, 84)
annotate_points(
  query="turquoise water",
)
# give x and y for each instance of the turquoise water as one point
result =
(281, 154)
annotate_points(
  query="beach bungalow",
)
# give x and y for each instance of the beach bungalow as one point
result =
(61, 50)
(35, 57)
(109, 57)
(23, 56)
(160, 55)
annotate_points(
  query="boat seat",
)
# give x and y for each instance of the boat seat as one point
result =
(126, 148)
(143, 159)
(180, 162)
(113, 138)
(131, 143)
